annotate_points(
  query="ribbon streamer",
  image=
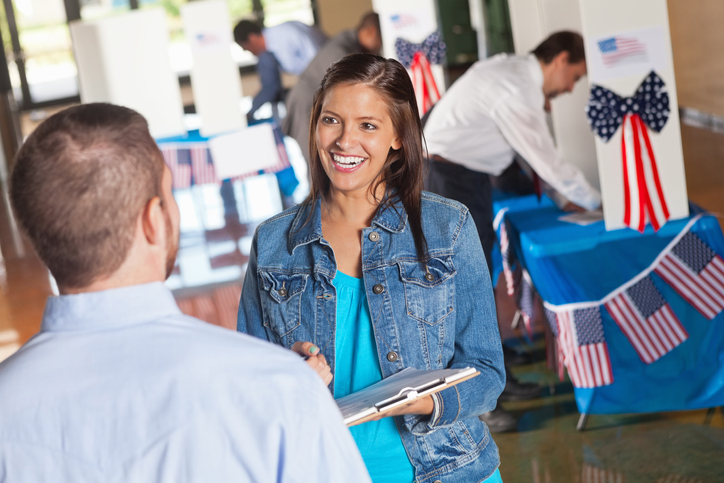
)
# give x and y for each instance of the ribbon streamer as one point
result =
(647, 109)
(426, 91)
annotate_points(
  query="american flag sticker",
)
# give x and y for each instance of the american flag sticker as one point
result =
(647, 320)
(621, 49)
(696, 272)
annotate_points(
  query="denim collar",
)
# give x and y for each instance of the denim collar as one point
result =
(306, 229)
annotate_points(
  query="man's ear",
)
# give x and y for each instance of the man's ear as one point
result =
(153, 222)
(563, 57)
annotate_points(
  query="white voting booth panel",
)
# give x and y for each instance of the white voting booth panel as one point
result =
(411, 20)
(124, 60)
(214, 75)
(532, 21)
(647, 22)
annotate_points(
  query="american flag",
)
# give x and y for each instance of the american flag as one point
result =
(556, 358)
(525, 303)
(694, 270)
(647, 320)
(505, 255)
(618, 49)
(584, 349)
(180, 169)
(203, 168)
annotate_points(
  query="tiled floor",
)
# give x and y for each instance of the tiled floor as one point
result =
(657, 448)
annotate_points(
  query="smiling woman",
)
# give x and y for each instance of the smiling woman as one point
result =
(370, 275)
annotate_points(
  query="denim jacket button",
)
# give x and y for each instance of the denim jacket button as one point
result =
(283, 292)
(378, 289)
(392, 356)
(429, 277)
(374, 236)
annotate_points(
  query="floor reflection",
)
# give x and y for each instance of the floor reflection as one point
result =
(679, 447)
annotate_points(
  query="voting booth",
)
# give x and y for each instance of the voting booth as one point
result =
(124, 60)
(625, 42)
(214, 75)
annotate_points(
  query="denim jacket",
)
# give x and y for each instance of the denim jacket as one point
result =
(442, 316)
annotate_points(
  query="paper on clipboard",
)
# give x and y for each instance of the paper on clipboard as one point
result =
(403, 387)
(246, 151)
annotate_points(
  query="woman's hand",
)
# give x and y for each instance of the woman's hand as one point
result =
(423, 405)
(315, 359)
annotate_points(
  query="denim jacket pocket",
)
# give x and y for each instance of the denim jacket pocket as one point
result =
(429, 294)
(281, 300)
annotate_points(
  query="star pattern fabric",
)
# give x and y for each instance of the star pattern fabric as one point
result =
(432, 47)
(606, 109)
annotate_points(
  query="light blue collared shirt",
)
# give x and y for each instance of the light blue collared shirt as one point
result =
(119, 386)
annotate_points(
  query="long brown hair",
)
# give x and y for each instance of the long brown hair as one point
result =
(403, 170)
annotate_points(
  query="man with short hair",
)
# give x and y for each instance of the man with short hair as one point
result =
(287, 47)
(492, 113)
(366, 38)
(119, 385)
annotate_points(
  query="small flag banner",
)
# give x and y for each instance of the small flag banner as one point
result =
(505, 253)
(585, 353)
(687, 264)
(526, 301)
(191, 162)
(555, 356)
(647, 320)
(696, 272)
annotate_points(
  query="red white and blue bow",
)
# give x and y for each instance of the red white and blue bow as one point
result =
(417, 58)
(643, 195)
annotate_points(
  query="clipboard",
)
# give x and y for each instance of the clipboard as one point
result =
(401, 388)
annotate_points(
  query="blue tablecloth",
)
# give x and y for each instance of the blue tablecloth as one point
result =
(569, 264)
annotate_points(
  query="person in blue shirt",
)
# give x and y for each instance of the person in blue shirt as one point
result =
(288, 47)
(119, 385)
(376, 276)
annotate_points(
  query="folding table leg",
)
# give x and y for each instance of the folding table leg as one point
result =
(710, 414)
(582, 422)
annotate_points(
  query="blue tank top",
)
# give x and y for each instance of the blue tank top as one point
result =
(357, 367)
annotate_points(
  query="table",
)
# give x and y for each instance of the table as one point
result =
(189, 159)
(582, 267)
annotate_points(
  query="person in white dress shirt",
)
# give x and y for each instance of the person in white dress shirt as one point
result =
(119, 385)
(491, 114)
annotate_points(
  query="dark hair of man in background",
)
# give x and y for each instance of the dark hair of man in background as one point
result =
(244, 29)
(370, 19)
(564, 41)
(80, 204)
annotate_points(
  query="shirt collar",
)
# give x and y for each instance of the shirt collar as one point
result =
(306, 228)
(535, 70)
(123, 306)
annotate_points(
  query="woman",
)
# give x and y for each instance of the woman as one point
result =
(373, 275)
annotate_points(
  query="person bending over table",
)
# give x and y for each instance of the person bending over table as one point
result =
(288, 47)
(496, 110)
(371, 275)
